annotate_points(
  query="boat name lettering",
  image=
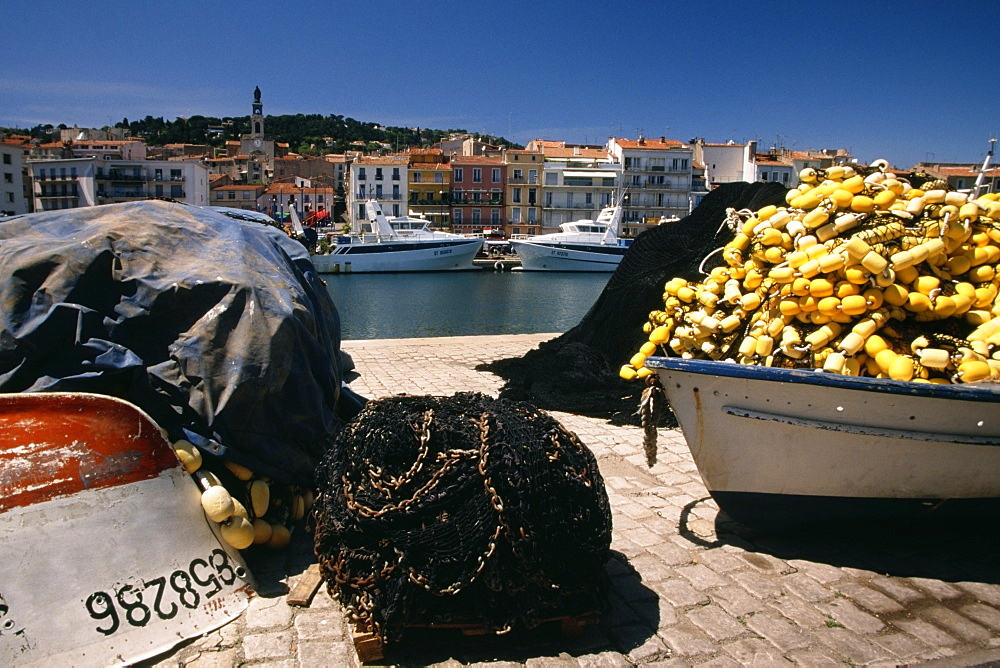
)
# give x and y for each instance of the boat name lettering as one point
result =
(443, 251)
(164, 594)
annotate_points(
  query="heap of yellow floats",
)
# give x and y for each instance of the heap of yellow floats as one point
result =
(836, 278)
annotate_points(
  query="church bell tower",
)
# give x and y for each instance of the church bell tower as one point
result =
(257, 119)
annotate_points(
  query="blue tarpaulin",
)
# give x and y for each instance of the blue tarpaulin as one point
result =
(219, 328)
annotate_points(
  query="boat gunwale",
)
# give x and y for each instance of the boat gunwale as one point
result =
(983, 392)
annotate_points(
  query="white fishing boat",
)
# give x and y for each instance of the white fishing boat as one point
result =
(582, 245)
(779, 446)
(397, 245)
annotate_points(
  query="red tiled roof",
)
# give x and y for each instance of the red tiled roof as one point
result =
(646, 143)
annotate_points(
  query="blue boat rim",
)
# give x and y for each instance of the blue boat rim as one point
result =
(988, 392)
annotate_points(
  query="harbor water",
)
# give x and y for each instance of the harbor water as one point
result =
(466, 303)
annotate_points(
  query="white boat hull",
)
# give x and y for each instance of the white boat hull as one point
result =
(398, 256)
(564, 257)
(781, 445)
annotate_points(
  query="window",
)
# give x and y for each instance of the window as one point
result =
(477, 216)
(517, 175)
(361, 175)
(551, 178)
(176, 191)
(218, 195)
(417, 177)
(395, 173)
(494, 216)
(8, 177)
(175, 175)
(232, 193)
(395, 210)
(532, 215)
(378, 191)
(6, 158)
(10, 197)
(532, 176)
(457, 216)
(395, 191)
(589, 198)
(531, 196)
(516, 196)
(459, 174)
(477, 175)
(361, 211)
(515, 217)
(246, 194)
(378, 173)
(158, 190)
(496, 175)
(438, 177)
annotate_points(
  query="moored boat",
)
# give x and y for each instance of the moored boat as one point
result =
(581, 245)
(400, 244)
(783, 446)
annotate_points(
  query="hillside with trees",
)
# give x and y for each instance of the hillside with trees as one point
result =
(307, 134)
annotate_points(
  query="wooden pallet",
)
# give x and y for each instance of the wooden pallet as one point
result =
(369, 648)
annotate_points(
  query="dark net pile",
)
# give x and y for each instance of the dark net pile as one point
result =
(463, 510)
(578, 371)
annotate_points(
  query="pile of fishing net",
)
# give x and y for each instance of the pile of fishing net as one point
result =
(464, 510)
(578, 371)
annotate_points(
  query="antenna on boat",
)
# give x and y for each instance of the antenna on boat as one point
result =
(982, 172)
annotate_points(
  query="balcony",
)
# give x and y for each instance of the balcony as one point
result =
(522, 180)
(429, 202)
(116, 175)
(491, 201)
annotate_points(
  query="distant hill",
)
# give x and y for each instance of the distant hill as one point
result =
(309, 134)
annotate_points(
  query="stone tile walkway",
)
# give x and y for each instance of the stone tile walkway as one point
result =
(689, 586)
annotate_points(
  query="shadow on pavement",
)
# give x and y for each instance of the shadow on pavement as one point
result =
(631, 619)
(949, 549)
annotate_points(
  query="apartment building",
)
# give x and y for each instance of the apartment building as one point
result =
(72, 183)
(477, 197)
(382, 178)
(430, 186)
(658, 174)
(524, 191)
(578, 182)
(12, 191)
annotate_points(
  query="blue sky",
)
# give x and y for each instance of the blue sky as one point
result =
(905, 81)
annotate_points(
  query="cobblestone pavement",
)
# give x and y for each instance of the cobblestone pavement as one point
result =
(688, 586)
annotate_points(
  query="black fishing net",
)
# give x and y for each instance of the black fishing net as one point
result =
(464, 510)
(578, 371)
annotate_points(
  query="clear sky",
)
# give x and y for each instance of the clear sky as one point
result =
(905, 80)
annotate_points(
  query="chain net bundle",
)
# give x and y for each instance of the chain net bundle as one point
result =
(578, 371)
(464, 510)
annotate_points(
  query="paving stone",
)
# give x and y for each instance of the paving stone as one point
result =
(805, 615)
(956, 624)
(687, 640)
(936, 588)
(735, 601)
(870, 599)
(756, 584)
(701, 577)
(849, 644)
(221, 659)
(754, 652)
(806, 587)
(273, 645)
(851, 616)
(986, 593)
(902, 646)
(267, 613)
(927, 632)
(820, 572)
(680, 593)
(720, 561)
(899, 590)
(715, 623)
(781, 632)
(814, 658)
(984, 614)
(318, 625)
